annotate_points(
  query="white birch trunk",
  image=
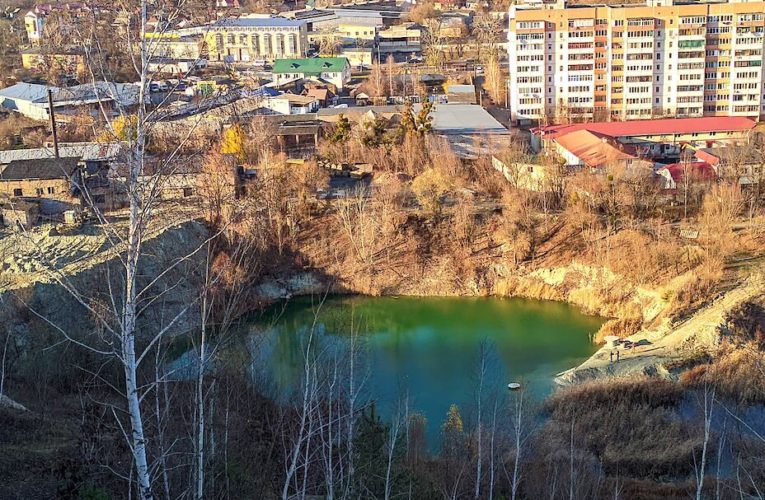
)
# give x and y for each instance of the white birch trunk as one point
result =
(701, 469)
(518, 427)
(135, 237)
(479, 437)
(200, 431)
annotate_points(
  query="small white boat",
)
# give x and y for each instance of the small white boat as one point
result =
(514, 386)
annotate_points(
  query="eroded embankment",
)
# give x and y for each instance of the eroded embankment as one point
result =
(660, 338)
(43, 296)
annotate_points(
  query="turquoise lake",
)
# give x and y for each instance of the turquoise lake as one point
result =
(426, 348)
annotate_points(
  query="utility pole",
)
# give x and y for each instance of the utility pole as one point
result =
(52, 115)
(390, 74)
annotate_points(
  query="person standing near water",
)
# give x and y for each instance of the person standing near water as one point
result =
(612, 356)
(617, 356)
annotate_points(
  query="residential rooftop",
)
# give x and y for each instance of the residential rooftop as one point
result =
(666, 126)
(465, 119)
(595, 149)
(86, 150)
(311, 65)
(40, 168)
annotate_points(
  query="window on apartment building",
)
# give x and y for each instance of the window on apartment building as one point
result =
(657, 100)
(51, 190)
(18, 192)
(187, 191)
(657, 89)
(39, 191)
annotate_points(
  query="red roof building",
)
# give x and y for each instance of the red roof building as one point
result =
(593, 150)
(674, 174)
(668, 127)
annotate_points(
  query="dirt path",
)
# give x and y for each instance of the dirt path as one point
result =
(668, 343)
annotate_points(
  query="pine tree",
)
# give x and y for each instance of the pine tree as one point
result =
(342, 131)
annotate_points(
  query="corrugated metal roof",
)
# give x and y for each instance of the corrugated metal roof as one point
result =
(464, 119)
(461, 89)
(592, 149)
(666, 126)
(701, 170)
(41, 168)
(259, 22)
(27, 91)
(125, 93)
(85, 150)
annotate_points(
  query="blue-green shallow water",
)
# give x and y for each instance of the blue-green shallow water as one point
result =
(428, 347)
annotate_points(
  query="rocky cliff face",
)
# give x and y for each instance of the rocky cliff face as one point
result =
(54, 299)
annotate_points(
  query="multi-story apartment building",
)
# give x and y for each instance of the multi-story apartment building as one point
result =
(629, 62)
(245, 39)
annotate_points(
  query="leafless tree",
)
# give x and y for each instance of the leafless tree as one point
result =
(397, 424)
(129, 294)
(518, 438)
(359, 224)
(433, 40)
(708, 410)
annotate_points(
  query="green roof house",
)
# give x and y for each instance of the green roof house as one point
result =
(334, 70)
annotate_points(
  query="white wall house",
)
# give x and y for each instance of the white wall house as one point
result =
(333, 70)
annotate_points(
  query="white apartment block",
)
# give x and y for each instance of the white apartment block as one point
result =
(636, 62)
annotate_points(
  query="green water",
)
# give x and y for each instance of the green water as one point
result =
(427, 348)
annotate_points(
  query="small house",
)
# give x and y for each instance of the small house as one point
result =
(334, 70)
(291, 104)
(18, 214)
(744, 163)
(680, 175)
(324, 96)
(58, 184)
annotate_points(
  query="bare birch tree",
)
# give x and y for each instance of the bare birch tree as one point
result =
(121, 317)
(701, 465)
